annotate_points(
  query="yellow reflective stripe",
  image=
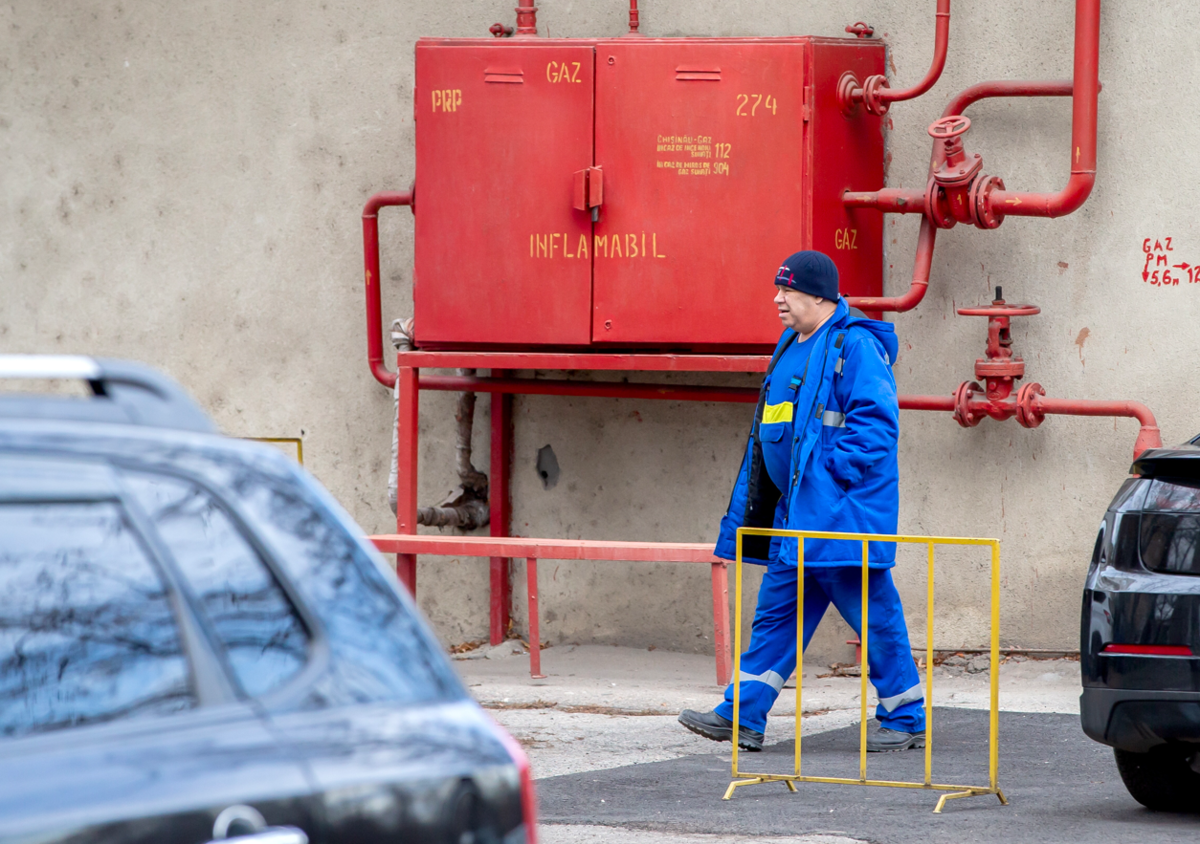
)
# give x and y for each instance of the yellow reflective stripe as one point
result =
(777, 413)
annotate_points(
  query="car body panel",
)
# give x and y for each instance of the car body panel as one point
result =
(1136, 702)
(375, 733)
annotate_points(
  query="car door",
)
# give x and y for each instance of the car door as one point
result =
(118, 721)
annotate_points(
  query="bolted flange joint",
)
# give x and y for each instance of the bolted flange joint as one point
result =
(963, 414)
(1029, 415)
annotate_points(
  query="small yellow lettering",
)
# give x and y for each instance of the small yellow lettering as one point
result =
(654, 245)
(643, 244)
(616, 247)
(601, 242)
(553, 243)
(437, 99)
(566, 254)
(582, 250)
(457, 99)
(575, 76)
(551, 70)
(543, 247)
(631, 250)
(531, 246)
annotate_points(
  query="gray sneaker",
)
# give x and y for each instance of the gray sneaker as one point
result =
(883, 740)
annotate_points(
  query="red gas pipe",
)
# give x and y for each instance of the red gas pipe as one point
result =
(370, 218)
(874, 93)
(1000, 369)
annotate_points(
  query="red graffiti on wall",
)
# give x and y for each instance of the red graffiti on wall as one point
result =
(1156, 270)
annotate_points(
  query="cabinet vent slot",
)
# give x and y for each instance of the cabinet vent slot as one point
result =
(684, 73)
(510, 75)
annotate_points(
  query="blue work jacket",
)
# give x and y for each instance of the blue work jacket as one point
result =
(843, 419)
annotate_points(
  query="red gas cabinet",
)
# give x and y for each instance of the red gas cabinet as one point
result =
(635, 193)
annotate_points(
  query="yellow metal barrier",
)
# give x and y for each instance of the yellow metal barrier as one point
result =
(296, 441)
(749, 778)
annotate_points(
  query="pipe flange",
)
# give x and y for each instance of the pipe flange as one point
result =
(1028, 414)
(870, 95)
(963, 414)
(983, 213)
(846, 86)
(937, 206)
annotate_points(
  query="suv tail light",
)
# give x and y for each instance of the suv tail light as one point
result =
(1147, 650)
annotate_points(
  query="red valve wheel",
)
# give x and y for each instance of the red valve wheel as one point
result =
(949, 127)
(1001, 309)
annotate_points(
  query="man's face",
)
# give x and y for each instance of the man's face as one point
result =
(801, 312)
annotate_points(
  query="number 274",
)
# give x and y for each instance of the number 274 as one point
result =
(748, 104)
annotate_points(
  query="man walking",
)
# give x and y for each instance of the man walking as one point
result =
(821, 456)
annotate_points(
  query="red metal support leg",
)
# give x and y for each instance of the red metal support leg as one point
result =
(535, 641)
(499, 506)
(406, 471)
(720, 596)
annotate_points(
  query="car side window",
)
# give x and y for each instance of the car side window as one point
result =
(264, 639)
(87, 631)
(381, 651)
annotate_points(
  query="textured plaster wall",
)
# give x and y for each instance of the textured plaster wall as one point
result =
(181, 182)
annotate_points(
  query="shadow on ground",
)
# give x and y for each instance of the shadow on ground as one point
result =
(1061, 787)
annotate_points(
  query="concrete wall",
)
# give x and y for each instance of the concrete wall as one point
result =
(181, 183)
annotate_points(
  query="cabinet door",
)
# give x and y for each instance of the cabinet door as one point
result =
(502, 254)
(701, 144)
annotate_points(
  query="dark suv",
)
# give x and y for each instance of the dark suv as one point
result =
(197, 643)
(1140, 637)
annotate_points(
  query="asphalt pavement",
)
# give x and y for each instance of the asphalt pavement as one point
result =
(614, 767)
(1060, 786)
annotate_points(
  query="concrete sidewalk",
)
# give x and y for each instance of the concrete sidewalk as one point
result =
(607, 707)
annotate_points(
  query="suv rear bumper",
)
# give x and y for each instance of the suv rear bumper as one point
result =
(1137, 720)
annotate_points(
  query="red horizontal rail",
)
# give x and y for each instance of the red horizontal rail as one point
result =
(579, 549)
(593, 389)
(598, 361)
(546, 549)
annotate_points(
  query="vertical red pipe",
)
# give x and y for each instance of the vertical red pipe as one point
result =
(406, 470)
(940, 41)
(535, 641)
(920, 278)
(1084, 103)
(720, 596)
(500, 509)
(370, 221)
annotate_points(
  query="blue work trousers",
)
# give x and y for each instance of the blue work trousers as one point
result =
(771, 658)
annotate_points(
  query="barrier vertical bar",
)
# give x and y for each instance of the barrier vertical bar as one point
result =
(863, 670)
(535, 638)
(994, 714)
(737, 653)
(799, 640)
(720, 597)
(929, 670)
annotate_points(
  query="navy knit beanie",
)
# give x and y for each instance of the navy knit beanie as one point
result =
(810, 272)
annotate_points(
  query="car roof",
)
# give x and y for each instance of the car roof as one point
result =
(122, 392)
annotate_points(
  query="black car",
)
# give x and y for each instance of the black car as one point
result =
(197, 643)
(1140, 637)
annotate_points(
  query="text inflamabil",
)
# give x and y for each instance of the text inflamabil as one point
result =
(563, 245)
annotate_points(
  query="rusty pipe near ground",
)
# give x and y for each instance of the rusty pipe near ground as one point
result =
(1085, 99)
(370, 218)
(920, 278)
